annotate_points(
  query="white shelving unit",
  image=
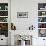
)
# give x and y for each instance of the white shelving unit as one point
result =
(4, 19)
(4, 23)
(42, 19)
(3, 12)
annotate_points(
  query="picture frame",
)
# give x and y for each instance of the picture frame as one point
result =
(42, 33)
(22, 14)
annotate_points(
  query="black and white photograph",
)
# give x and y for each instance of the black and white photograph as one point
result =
(22, 14)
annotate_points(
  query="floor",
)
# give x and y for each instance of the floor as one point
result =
(3, 45)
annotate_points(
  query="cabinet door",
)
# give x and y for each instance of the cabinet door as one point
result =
(42, 41)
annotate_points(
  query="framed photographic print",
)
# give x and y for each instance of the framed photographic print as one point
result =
(3, 19)
(4, 29)
(22, 14)
(13, 27)
(42, 32)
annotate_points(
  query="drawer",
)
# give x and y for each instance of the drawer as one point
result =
(3, 41)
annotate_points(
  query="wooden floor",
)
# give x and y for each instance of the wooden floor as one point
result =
(3, 45)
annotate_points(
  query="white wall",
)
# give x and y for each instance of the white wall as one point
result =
(24, 6)
(23, 24)
(30, 6)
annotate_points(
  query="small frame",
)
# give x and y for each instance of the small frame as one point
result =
(13, 27)
(42, 33)
(41, 6)
(4, 29)
(3, 19)
(22, 14)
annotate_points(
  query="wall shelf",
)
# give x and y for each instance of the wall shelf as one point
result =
(42, 10)
(3, 22)
(42, 16)
(3, 10)
(41, 22)
(3, 16)
(41, 28)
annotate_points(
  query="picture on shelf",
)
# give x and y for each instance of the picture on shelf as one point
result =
(3, 6)
(41, 19)
(3, 19)
(22, 14)
(42, 32)
(3, 13)
(41, 6)
(41, 25)
(41, 13)
(3, 26)
(4, 29)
